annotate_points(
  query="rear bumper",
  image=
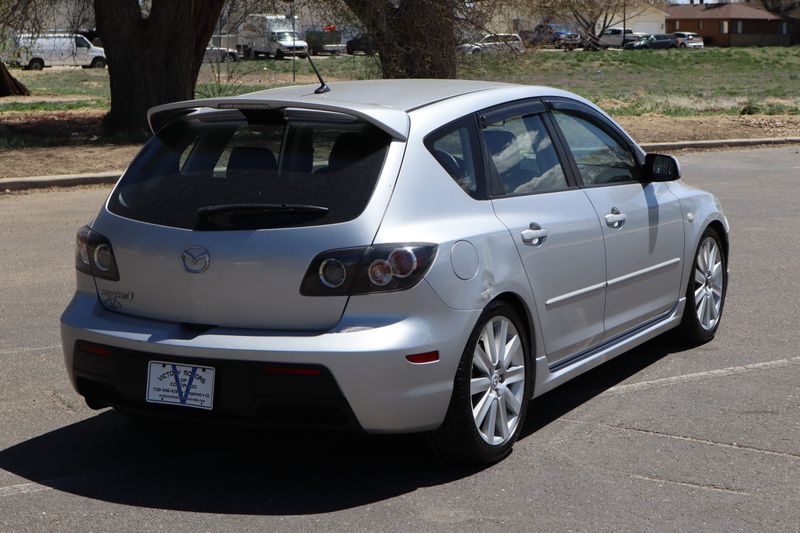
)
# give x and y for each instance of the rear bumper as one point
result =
(367, 379)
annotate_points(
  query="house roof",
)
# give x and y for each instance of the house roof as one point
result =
(718, 11)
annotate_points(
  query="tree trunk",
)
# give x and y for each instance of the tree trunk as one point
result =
(9, 85)
(152, 60)
(415, 38)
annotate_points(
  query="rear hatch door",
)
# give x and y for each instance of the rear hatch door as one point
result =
(218, 219)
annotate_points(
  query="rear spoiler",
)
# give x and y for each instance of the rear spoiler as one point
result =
(393, 121)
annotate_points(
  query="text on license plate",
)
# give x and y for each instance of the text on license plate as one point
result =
(187, 385)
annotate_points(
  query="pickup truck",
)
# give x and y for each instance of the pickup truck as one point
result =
(613, 37)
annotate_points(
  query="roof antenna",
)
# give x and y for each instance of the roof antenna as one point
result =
(323, 87)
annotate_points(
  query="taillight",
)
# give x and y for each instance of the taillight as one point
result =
(94, 255)
(368, 269)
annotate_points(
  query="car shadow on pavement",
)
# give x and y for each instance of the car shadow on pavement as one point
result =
(217, 469)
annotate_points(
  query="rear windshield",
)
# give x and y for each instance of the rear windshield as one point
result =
(230, 170)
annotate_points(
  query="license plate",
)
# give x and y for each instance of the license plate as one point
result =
(187, 385)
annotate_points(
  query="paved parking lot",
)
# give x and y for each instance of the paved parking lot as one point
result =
(661, 438)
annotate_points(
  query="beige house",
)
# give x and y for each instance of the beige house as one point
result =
(513, 17)
(642, 18)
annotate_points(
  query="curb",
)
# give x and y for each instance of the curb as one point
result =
(721, 143)
(101, 178)
(39, 182)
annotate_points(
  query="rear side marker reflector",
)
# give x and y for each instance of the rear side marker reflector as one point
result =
(93, 348)
(422, 358)
(291, 371)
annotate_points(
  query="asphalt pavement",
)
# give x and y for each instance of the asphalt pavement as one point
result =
(661, 438)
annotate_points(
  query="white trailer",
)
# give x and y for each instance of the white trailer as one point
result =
(271, 35)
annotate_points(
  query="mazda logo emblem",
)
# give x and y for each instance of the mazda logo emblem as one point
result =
(195, 259)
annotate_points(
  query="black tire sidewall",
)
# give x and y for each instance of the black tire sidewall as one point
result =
(693, 330)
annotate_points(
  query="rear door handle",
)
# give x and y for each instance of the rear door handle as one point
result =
(615, 219)
(535, 235)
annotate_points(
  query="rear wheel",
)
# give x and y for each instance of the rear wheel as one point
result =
(491, 391)
(35, 64)
(705, 295)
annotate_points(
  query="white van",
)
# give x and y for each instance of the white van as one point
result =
(46, 50)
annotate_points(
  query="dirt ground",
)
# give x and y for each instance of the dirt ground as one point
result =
(80, 153)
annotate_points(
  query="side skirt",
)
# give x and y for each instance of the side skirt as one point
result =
(548, 378)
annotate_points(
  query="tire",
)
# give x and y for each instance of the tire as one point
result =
(683, 45)
(98, 62)
(480, 438)
(705, 299)
(302, 56)
(279, 54)
(475, 51)
(35, 64)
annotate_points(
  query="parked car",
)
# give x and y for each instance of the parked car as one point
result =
(392, 255)
(653, 42)
(361, 43)
(215, 54)
(325, 41)
(494, 43)
(687, 39)
(35, 52)
(616, 38)
(551, 34)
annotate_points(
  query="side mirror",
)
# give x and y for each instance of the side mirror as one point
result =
(658, 167)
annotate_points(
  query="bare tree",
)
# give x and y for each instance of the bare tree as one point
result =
(781, 7)
(592, 17)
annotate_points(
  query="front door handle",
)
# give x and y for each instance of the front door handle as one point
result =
(535, 235)
(615, 219)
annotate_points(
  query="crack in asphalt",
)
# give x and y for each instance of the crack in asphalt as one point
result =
(8, 351)
(59, 400)
(65, 483)
(728, 445)
(697, 376)
(654, 433)
(704, 486)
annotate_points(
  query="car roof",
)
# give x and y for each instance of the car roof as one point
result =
(404, 94)
(385, 103)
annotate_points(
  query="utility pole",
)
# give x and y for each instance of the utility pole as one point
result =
(294, 44)
(624, 21)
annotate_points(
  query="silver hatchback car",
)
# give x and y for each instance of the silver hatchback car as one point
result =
(396, 256)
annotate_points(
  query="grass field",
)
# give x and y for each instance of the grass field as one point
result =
(668, 82)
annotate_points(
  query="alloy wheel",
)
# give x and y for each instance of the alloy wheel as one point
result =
(497, 383)
(709, 283)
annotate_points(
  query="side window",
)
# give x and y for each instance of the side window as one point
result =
(600, 157)
(81, 42)
(455, 152)
(523, 156)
